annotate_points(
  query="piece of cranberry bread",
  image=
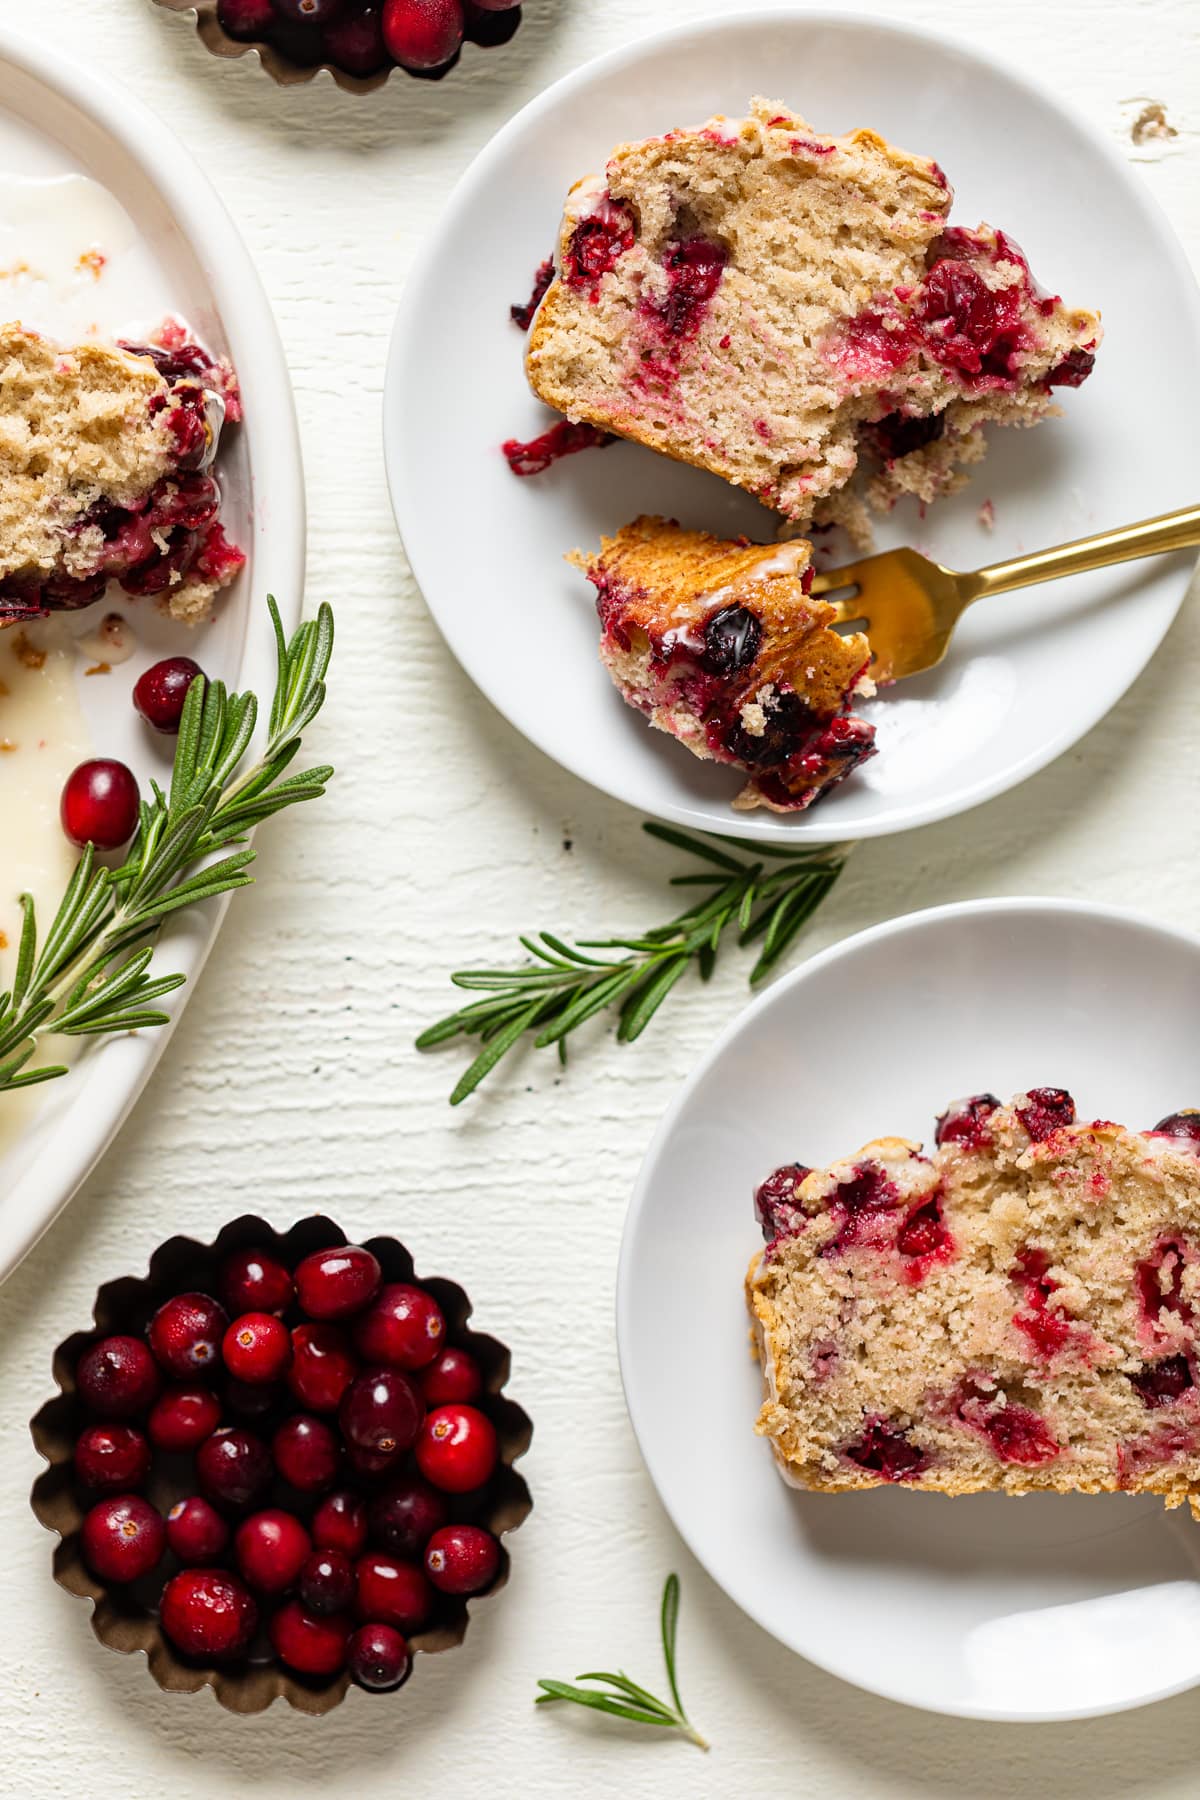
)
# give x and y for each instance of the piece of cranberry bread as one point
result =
(105, 473)
(768, 303)
(721, 644)
(1016, 1311)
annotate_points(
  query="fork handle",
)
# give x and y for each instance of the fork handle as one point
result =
(1173, 531)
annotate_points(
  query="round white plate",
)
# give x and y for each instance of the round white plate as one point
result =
(184, 255)
(1052, 1607)
(1029, 674)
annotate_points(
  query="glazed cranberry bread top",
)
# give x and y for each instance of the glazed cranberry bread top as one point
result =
(721, 644)
(767, 303)
(105, 456)
(1017, 1311)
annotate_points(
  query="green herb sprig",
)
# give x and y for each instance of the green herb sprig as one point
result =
(91, 973)
(623, 1698)
(766, 901)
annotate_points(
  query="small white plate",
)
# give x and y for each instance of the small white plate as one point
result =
(180, 252)
(1029, 674)
(1053, 1607)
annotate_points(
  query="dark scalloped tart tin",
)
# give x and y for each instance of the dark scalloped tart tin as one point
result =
(124, 1619)
(289, 72)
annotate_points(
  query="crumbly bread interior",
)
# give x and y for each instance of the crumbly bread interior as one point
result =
(716, 641)
(755, 298)
(1016, 1312)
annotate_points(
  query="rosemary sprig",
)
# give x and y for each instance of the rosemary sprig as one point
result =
(623, 1698)
(91, 972)
(766, 901)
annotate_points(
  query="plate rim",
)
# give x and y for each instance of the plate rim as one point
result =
(761, 825)
(110, 1081)
(1033, 905)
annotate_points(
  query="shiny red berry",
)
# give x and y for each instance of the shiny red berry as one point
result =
(185, 1334)
(403, 1328)
(208, 1613)
(257, 1348)
(462, 1559)
(233, 1468)
(422, 34)
(196, 1532)
(391, 1592)
(327, 1583)
(378, 1658)
(454, 1376)
(160, 693)
(271, 1549)
(323, 1366)
(457, 1448)
(112, 1459)
(306, 1453)
(123, 1538)
(310, 1643)
(246, 18)
(182, 1417)
(254, 1281)
(355, 40)
(405, 1516)
(100, 804)
(340, 1523)
(332, 1284)
(117, 1377)
(380, 1415)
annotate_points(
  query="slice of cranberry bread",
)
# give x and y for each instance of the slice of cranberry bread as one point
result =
(721, 644)
(105, 473)
(768, 303)
(1016, 1311)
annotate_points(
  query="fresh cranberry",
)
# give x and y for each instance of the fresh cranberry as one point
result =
(457, 1448)
(1162, 1382)
(245, 18)
(332, 1284)
(536, 455)
(732, 639)
(232, 1467)
(254, 1281)
(160, 693)
(462, 1559)
(1045, 1111)
(1073, 370)
(391, 1592)
(775, 1205)
(378, 1658)
(309, 12)
(885, 1451)
(327, 1582)
(523, 315)
(183, 1417)
(196, 1532)
(257, 1348)
(186, 1332)
(309, 1643)
(355, 41)
(600, 238)
(381, 1413)
(271, 1549)
(1183, 1125)
(100, 804)
(306, 1453)
(406, 1515)
(1016, 1433)
(117, 1377)
(1159, 1280)
(900, 434)
(340, 1523)
(694, 270)
(862, 1204)
(208, 1613)
(123, 1538)
(422, 34)
(323, 1366)
(403, 1327)
(965, 1122)
(111, 1459)
(969, 326)
(1047, 1328)
(923, 1237)
(454, 1376)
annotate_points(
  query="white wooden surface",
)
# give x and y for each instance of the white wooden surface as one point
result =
(292, 1083)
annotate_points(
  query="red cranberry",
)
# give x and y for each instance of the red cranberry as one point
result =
(355, 41)
(457, 1448)
(381, 1413)
(323, 1366)
(1161, 1383)
(422, 34)
(535, 455)
(160, 693)
(257, 1348)
(196, 1532)
(186, 1333)
(406, 1515)
(1159, 1280)
(208, 1613)
(183, 1417)
(111, 1459)
(271, 1549)
(308, 1643)
(340, 1523)
(776, 1208)
(391, 1592)
(865, 1204)
(246, 18)
(117, 1377)
(1045, 1111)
(332, 1284)
(885, 1451)
(378, 1658)
(100, 803)
(601, 237)
(454, 1376)
(965, 1122)
(1016, 1433)
(732, 638)
(123, 1538)
(924, 1237)
(306, 1453)
(254, 1281)
(522, 314)
(327, 1583)
(232, 1467)
(403, 1327)
(694, 270)
(1073, 370)
(1183, 1125)
(462, 1559)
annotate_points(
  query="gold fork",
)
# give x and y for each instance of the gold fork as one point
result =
(911, 605)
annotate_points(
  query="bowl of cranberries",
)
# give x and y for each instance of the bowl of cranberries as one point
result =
(281, 1464)
(360, 42)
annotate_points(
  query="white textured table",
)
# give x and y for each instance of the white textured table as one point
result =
(292, 1084)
